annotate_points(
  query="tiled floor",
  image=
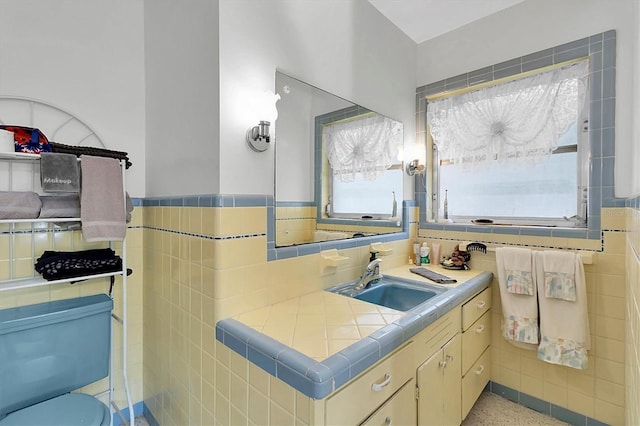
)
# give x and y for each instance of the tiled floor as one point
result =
(494, 410)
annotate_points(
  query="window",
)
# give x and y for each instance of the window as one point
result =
(361, 175)
(382, 195)
(515, 152)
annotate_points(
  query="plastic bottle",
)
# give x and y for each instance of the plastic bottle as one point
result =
(394, 209)
(446, 205)
(424, 254)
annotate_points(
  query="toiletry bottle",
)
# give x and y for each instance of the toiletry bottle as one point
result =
(416, 253)
(424, 254)
(394, 208)
(446, 205)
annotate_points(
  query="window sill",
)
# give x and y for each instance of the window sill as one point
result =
(536, 231)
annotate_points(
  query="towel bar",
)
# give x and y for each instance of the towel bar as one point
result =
(587, 257)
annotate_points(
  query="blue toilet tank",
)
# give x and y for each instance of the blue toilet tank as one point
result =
(52, 348)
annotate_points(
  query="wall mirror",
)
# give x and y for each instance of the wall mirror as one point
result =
(338, 172)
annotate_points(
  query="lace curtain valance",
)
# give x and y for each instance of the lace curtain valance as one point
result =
(368, 145)
(519, 119)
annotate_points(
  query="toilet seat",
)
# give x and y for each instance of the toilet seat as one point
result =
(71, 409)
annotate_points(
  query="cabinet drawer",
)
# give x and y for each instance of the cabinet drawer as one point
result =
(475, 308)
(475, 381)
(475, 340)
(358, 399)
(436, 335)
(399, 410)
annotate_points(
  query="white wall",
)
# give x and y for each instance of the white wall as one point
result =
(182, 121)
(86, 57)
(635, 94)
(535, 25)
(343, 46)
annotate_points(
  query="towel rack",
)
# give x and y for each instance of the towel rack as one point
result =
(587, 257)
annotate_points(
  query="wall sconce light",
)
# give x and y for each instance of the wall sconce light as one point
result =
(414, 167)
(258, 136)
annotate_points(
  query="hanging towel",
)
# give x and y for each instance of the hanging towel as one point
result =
(129, 208)
(564, 323)
(518, 296)
(59, 172)
(559, 275)
(102, 205)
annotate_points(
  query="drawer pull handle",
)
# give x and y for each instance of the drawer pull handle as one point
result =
(443, 364)
(377, 387)
(481, 304)
(480, 370)
(480, 329)
(388, 421)
(449, 358)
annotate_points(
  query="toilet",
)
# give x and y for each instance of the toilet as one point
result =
(47, 351)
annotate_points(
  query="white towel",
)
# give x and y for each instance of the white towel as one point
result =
(564, 324)
(559, 275)
(519, 307)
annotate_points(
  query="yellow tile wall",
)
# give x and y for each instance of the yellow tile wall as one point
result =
(632, 370)
(295, 225)
(195, 275)
(72, 240)
(599, 391)
(193, 280)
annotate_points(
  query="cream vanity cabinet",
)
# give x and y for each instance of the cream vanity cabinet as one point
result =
(383, 395)
(476, 357)
(452, 362)
(438, 371)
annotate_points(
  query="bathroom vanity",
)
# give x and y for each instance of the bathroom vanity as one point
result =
(424, 366)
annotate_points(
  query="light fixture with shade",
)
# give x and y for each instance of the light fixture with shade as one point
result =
(264, 106)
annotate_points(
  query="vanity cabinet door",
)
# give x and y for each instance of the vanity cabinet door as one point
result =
(439, 386)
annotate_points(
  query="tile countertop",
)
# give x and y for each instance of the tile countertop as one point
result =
(318, 342)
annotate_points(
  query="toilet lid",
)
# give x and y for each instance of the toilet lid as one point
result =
(72, 409)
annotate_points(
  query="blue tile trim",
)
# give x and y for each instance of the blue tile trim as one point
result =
(208, 200)
(601, 49)
(138, 409)
(149, 416)
(267, 201)
(505, 392)
(295, 203)
(536, 404)
(319, 379)
(541, 406)
(568, 416)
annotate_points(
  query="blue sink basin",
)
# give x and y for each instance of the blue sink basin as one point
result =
(392, 292)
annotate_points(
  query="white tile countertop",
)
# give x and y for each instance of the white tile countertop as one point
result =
(319, 341)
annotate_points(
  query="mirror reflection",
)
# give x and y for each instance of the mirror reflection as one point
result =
(338, 172)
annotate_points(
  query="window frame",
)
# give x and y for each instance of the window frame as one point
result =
(323, 177)
(582, 148)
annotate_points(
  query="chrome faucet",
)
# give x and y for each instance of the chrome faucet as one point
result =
(371, 273)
